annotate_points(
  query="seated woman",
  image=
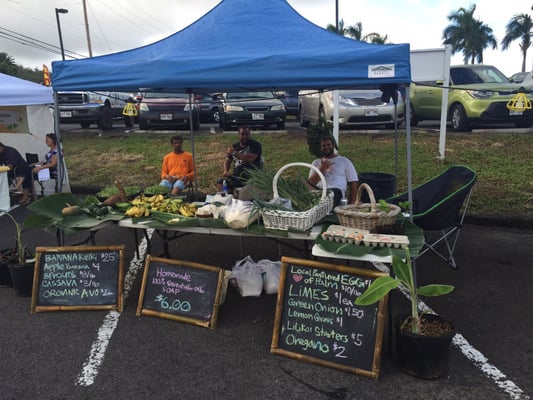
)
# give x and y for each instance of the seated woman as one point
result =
(19, 169)
(50, 159)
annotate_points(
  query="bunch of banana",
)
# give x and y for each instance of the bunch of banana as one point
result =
(137, 211)
(167, 205)
(187, 210)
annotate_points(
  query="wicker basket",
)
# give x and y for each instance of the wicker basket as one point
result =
(304, 220)
(352, 216)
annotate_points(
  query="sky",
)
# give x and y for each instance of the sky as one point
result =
(126, 24)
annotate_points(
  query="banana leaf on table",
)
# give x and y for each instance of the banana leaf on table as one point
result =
(46, 214)
(413, 232)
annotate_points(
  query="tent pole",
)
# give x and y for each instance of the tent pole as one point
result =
(191, 129)
(60, 171)
(408, 145)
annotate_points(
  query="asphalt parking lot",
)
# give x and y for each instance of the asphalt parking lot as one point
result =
(111, 355)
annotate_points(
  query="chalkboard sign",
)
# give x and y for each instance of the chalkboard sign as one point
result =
(317, 320)
(78, 278)
(182, 291)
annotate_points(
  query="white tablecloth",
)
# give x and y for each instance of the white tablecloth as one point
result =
(5, 202)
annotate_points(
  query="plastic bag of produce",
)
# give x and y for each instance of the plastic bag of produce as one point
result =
(239, 214)
(247, 276)
(271, 272)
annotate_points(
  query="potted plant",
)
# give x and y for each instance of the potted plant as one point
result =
(422, 340)
(21, 263)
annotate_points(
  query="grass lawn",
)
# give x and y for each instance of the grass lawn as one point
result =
(501, 160)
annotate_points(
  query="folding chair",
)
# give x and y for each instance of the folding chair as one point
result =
(439, 208)
(34, 158)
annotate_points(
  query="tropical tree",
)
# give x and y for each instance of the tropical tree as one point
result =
(7, 64)
(520, 27)
(468, 35)
(356, 32)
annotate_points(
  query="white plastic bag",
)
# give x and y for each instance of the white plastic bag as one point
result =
(271, 273)
(239, 214)
(247, 277)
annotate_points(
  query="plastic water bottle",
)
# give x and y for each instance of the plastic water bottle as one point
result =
(224, 187)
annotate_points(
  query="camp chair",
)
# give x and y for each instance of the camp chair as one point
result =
(32, 158)
(439, 208)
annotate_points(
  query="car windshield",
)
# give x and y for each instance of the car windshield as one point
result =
(249, 95)
(161, 95)
(465, 76)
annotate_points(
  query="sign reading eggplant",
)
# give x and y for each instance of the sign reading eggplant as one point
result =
(317, 319)
(78, 278)
(182, 291)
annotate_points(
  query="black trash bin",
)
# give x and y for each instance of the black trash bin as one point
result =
(383, 185)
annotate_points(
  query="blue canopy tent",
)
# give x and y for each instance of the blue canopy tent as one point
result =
(242, 45)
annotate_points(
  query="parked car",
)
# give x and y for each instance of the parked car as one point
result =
(356, 108)
(168, 110)
(478, 95)
(518, 77)
(251, 108)
(289, 99)
(208, 103)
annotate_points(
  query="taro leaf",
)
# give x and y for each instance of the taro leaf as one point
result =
(434, 290)
(49, 210)
(51, 206)
(377, 290)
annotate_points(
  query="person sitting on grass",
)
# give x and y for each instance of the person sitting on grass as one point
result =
(245, 154)
(338, 172)
(178, 169)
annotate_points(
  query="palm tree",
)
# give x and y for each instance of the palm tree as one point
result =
(340, 30)
(7, 64)
(356, 32)
(468, 35)
(519, 27)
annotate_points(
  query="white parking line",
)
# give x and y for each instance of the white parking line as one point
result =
(92, 365)
(470, 352)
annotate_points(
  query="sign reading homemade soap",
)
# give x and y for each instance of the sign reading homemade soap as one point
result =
(317, 320)
(78, 278)
(182, 291)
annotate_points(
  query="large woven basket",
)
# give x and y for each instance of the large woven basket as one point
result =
(357, 215)
(300, 220)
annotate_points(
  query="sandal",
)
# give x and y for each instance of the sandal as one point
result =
(24, 202)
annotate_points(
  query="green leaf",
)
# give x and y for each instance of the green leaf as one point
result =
(401, 270)
(377, 290)
(434, 290)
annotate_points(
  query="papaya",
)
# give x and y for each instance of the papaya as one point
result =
(70, 211)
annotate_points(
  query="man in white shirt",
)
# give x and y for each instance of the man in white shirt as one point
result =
(338, 171)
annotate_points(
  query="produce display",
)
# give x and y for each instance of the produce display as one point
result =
(142, 206)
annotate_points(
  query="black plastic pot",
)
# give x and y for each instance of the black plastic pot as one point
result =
(5, 276)
(22, 278)
(425, 357)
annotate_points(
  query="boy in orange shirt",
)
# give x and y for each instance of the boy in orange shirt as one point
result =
(178, 170)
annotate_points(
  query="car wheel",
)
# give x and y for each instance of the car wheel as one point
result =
(85, 125)
(458, 118)
(106, 119)
(215, 115)
(196, 125)
(414, 117)
(321, 113)
(303, 122)
(280, 126)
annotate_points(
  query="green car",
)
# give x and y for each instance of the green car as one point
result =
(479, 95)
